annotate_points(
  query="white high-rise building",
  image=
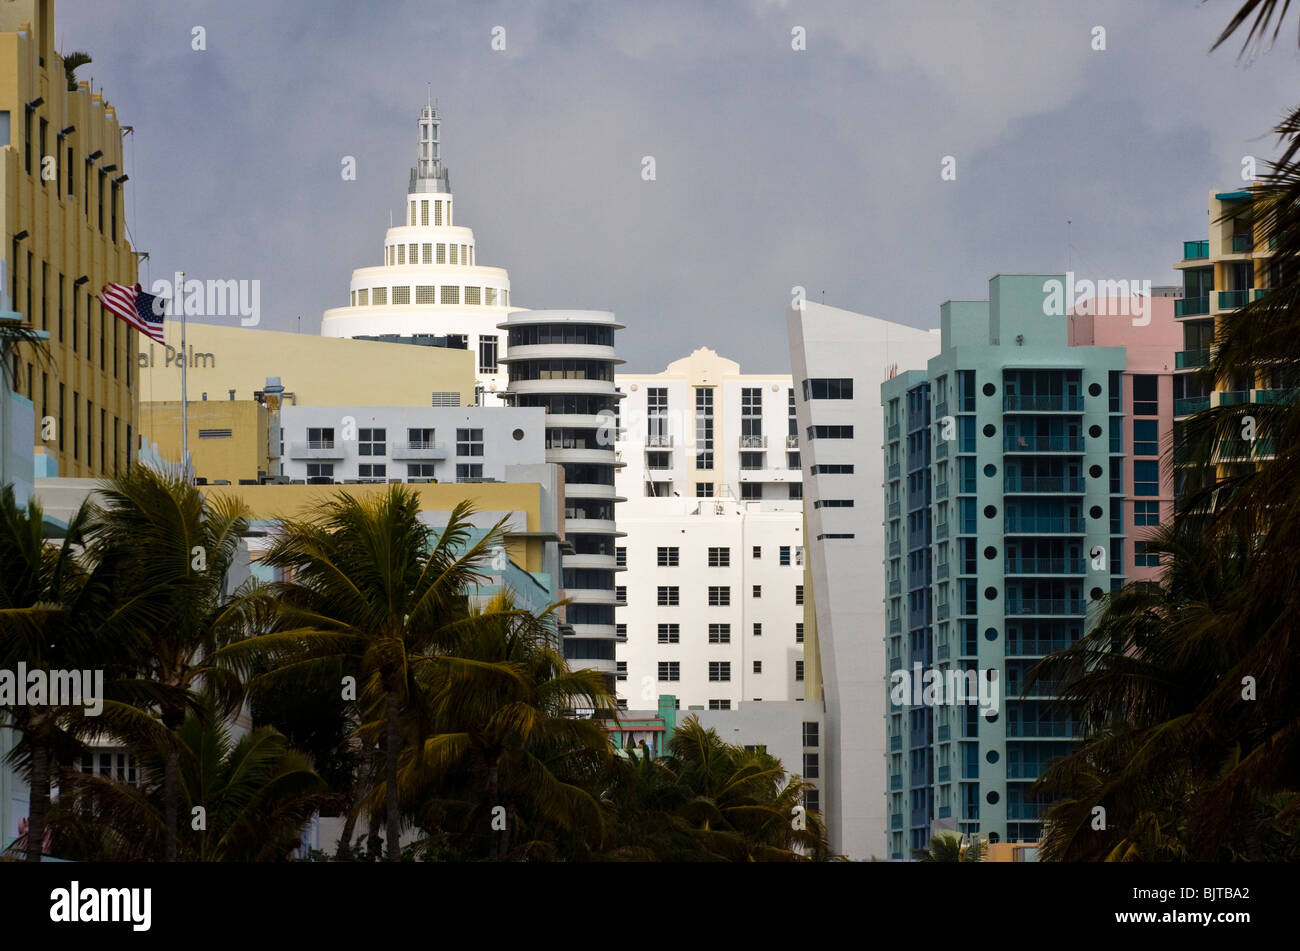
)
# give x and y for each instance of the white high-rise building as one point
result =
(710, 599)
(430, 289)
(839, 360)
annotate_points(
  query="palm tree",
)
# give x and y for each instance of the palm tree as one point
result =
(370, 584)
(173, 553)
(952, 847)
(501, 716)
(256, 794)
(71, 63)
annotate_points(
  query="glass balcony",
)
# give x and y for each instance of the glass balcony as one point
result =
(1195, 250)
(1190, 405)
(1273, 396)
(896, 782)
(895, 549)
(941, 490)
(896, 626)
(1043, 443)
(943, 652)
(941, 531)
(896, 820)
(1025, 524)
(942, 612)
(791, 442)
(1036, 485)
(892, 432)
(895, 743)
(941, 450)
(1045, 566)
(896, 587)
(943, 774)
(1230, 300)
(894, 470)
(1242, 243)
(944, 733)
(1191, 359)
(895, 509)
(1234, 397)
(941, 409)
(941, 571)
(659, 440)
(1191, 306)
(1046, 606)
(753, 442)
(1056, 403)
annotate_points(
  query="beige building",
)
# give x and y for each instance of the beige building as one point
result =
(62, 178)
(316, 371)
(230, 440)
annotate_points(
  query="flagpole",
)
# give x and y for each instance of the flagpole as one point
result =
(178, 299)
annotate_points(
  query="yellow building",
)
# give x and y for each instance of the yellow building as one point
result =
(230, 440)
(315, 371)
(62, 177)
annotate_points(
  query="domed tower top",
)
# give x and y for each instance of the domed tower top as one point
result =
(428, 174)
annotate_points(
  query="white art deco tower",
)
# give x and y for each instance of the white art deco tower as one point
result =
(430, 290)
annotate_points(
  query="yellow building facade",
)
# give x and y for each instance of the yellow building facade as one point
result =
(229, 440)
(62, 188)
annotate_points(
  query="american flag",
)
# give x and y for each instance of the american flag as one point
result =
(142, 311)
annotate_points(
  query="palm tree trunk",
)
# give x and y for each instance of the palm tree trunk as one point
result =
(390, 780)
(344, 850)
(38, 798)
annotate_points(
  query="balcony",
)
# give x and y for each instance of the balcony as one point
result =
(659, 441)
(1241, 243)
(941, 450)
(1046, 566)
(1029, 525)
(753, 442)
(941, 490)
(942, 612)
(1037, 485)
(1192, 307)
(1273, 396)
(1043, 404)
(1043, 443)
(315, 449)
(941, 409)
(1195, 250)
(1047, 607)
(941, 531)
(895, 744)
(419, 451)
(894, 470)
(892, 432)
(1191, 359)
(943, 774)
(941, 571)
(1191, 405)
(896, 819)
(896, 587)
(895, 549)
(896, 783)
(1231, 300)
(896, 625)
(1046, 729)
(895, 509)
(792, 442)
(1234, 397)
(944, 733)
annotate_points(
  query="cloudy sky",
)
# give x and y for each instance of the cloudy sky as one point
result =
(773, 167)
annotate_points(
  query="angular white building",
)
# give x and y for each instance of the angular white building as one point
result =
(430, 289)
(839, 359)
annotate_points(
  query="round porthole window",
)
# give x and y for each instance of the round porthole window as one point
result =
(989, 389)
(518, 434)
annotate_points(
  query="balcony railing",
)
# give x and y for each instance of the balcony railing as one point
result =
(943, 652)
(895, 549)
(1195, 250)
(894, 470)
(419, 449)
(941, 531)
(1047, 728)
(896, 625)
(659, 440)
(315, 449)
(941, 409)
(1229, 300)
(1191, 359)
(895, 509)
(1190, 405)
(1045, 566)
(1047, 606)
(1059, 402)
(941, 571)
(792, 442)
(1273, 396)
(753, 442)
(1192, 306)
(1039, 484)
(896, 819)
(941, 450)
(1234, 397)
(1043, 443)
(1242, 243)
(941, 490)
(896, 782)
(942, 612)
(892, 432)
(1029, 524)
(896, 586)
(944, 733)
(895, 744)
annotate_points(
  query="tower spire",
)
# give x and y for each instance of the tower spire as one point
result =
(428, 175)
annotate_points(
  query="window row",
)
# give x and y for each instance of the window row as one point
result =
(471, 296)
(427, 253)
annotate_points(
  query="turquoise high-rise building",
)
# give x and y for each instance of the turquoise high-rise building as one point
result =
(1007, 477)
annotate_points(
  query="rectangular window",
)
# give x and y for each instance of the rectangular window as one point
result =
(828, 389)
(620, 670)
(833, 504)
(811, 767)
(380, 296)
(812, 734)
(1146, 478)
(441, 257)
(798, 594)
(487, 354)
(1143, 558)
(320, 438)
(719, 704)
(670, 670)
(426, 254)
(669, 633)
(719, 633)
(1146, 437)
(372, 442)
(758, 551)
(424, 211)
(758, 628)
(719, 557)
(469, 442)
(830, 432)
(473, 296)
(667, 557)
(719, 671)
(419, 470)
(798, 670)
(785, 556)
(794, 490)
(469, 470)
(370, 470)
(719, 596)
(1146, 513)
(620, 630)
(455, 254)
(620, 556)
(751, 491)
(758, 590)
(1146, 401)
(798, 632)
(450, 293)
(704, 490)
(620, 592)
(668, 596)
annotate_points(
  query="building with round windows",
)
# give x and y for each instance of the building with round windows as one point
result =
(430, 288)
(563, 361)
